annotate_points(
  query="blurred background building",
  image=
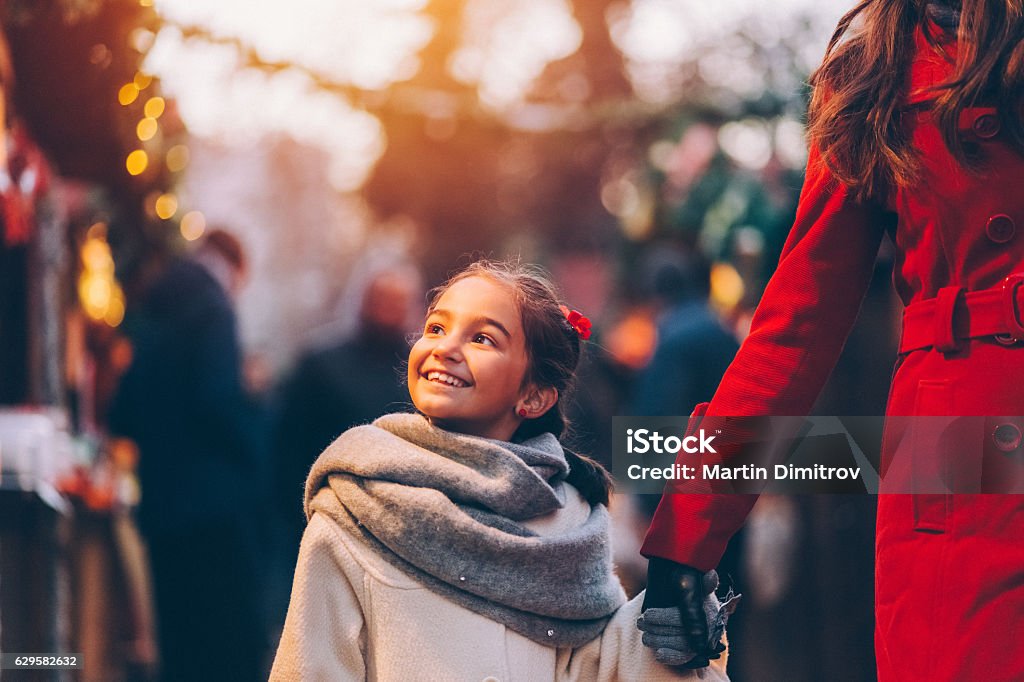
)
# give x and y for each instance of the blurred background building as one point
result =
(332, 135)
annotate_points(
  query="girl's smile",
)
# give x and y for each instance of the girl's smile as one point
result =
(466, 372)
(447, 379)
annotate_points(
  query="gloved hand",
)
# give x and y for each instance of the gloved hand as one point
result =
(682, 619)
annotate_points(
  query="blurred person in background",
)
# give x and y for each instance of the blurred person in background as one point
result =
(200, 440)
(692, 351)
(694, 347)
(915, 130)
(344, 384)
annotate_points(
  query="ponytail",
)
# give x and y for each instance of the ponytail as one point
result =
(585, 474)
(589, 477)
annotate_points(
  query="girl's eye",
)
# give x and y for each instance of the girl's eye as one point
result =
(435, 328)
(484, 339)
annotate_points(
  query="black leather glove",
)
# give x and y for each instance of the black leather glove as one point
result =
(685, 588)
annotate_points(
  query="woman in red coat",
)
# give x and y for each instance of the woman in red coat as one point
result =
(915, 129)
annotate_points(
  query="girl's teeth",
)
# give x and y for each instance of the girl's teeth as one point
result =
(443, 378)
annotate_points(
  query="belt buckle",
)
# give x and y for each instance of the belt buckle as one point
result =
(1010, 313)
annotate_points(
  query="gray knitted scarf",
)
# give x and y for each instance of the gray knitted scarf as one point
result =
(446, 509)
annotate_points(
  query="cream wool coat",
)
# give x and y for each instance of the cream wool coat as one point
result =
(354, 616)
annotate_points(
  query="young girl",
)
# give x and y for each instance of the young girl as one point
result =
(463, 542)
(916, 129)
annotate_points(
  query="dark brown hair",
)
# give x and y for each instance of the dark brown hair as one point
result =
(553, 350)
(860, 87)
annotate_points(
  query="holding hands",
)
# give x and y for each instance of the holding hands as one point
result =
(682, 620)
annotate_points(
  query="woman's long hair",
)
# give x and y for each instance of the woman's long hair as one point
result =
(860, 88)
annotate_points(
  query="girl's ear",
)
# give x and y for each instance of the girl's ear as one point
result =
(536, 401)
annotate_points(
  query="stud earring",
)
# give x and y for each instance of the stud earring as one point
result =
(521, 412)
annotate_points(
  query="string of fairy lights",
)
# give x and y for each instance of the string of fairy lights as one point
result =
(101, 295)
(164, 205)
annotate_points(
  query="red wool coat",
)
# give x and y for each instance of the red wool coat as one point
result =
(949, 569)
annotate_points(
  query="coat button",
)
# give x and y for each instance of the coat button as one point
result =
(1007, 437)
(1000, 228)
(986, 126)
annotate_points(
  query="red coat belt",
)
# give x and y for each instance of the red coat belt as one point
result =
(955, 315)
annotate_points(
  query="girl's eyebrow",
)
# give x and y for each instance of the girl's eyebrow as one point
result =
(441, 312)
(499, 325)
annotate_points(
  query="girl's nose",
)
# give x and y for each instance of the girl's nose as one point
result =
(448, 347)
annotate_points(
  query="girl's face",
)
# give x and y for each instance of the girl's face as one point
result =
(466, 372)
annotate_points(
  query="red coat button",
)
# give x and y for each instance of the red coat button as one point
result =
(1000, 228)
(986, 126)
(1007, 437)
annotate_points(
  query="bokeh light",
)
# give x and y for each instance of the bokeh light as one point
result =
(748, 142)
(115, 310)
(154, 107)
(94, 293)
(97, 230)
(727, 287)
(99, 293)
(128, 93)
(177, 158)
(100, 55)
(141, 39)
(137, 162)
(166, 206)
(96, 256)
(193, 225)
(146, 128)
(631, 341)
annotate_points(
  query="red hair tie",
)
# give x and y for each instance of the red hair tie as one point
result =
(578, 322)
